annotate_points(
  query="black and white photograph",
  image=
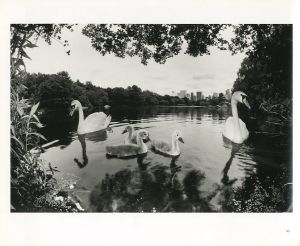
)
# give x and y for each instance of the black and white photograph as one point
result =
(128, 122)
(151, 118)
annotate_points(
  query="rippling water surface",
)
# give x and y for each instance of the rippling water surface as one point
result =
(195, 181)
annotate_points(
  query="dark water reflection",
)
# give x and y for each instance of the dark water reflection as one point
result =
(201, 179)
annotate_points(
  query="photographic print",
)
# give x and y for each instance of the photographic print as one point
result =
(151, 118)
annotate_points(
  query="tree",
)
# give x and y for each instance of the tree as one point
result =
(150, 98)
(24, 36)
(153, 41)
(117, 96)
(32, 83)
(266, 73)
(55, 92)
(221, 98)
(135, 95)
(79, 93)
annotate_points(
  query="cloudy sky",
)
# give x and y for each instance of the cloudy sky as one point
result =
(209, 73)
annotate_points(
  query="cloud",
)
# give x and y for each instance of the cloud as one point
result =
(203, 76)
(158, 77)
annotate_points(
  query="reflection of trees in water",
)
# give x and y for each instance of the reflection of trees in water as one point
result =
(263, 190)
(273, 157)
(150, 189)
(138, 113)
(133, 113)
(52, 132)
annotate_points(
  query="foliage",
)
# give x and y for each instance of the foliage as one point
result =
(154, 41)
(33, 185)
(259, 197)
(32, 182)
(26, 35)
(266, 73)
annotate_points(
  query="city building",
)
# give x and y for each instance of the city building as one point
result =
(192, 97)
(199, 95)
(182, 94)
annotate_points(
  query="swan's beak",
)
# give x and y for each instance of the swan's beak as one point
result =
(72, 112)
(246, 103)
(180, 139)
(147, 139)
(125, 130)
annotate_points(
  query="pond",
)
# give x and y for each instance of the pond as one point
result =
(204, 178)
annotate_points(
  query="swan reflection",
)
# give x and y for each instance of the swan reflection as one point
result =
(98, 136)
(225, 178)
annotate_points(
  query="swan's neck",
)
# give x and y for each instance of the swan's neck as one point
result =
(81, 117)
(141, 144)
(235, 116)
(130, 133)
(175, 144)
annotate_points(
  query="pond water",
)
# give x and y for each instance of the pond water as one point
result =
(198, 180)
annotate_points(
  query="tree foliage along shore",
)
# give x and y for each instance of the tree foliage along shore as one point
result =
(55, 92)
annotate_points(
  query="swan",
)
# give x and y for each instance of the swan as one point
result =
(169, 149)
(127, 150)
(94, 122)
(131, 137)
(235, 129)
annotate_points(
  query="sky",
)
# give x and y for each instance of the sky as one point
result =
(209, 73)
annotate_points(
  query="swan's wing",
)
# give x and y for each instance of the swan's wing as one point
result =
(161, 145)
(100, 117)
(107, 121)
(229, 129)
(96, 121)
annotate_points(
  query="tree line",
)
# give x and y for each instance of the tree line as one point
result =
(56, 91)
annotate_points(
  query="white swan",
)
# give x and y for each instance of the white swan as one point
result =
(94, 122)
(235, 129)
(169, 149)
(127, 150)
(131, 138)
